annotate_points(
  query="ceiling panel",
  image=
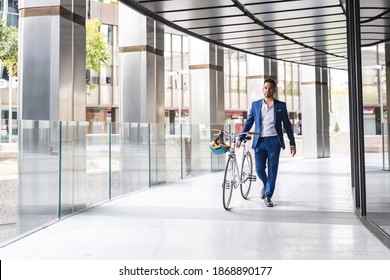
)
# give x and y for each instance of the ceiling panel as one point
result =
(302, 31)
(227, 29)
(172, 5)
(318, 26)
(188, 15)
(244, 34)
(304, 21)
(281, 6)
(297, 13)
(210, 22)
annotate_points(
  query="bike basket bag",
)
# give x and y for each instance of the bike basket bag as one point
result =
(218, 148)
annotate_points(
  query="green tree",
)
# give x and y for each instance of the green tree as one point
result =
(9, 48)
(97, 53)
(336, 127)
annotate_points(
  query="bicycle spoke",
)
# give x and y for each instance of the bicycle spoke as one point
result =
(246, 175)
(228, 182)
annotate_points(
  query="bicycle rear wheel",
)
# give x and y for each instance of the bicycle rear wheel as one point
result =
(229, 181)
(246, 175)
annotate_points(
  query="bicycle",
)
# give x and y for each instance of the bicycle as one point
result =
(233, 176)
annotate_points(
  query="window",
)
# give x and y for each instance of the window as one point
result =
(235, 80)
(176, 66)
(13, 6)
(281, 81)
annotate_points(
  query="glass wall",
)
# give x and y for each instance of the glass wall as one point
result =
(288, 91)
(235, 81)
(177, 96)
(61, 168)
(103, 97)
(12, 13)
(376, 134)
(9, 14)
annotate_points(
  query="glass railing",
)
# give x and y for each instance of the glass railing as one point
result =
(56, 169)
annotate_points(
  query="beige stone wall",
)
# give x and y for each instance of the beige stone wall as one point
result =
(176, 150)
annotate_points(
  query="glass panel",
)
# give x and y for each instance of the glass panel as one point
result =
(234, 99)
(234, 84)
(280, 82)
(167, 43)
(370, 86)
(134, 158)
(176, 43)
(8, 191)
(186, 91)
(176, 62)
(234, 64)
(185, 44)
(227, 91)
(115, 159)
(157, 154)
(243, 101)
(185, 61)
(13, 6)
(73, 167)
(38, 164)
(376, 135)
(105, 75)
(174, 156)
(288, 89)
(97, 161)
(295, 89)
(200, 152)
(13, 20)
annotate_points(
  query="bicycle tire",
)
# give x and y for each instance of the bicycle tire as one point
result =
(228, 183)
(246, 175)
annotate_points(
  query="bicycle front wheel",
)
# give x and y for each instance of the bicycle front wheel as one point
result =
(229, 181)
(246, 175)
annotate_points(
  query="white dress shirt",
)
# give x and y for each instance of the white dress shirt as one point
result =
(267, 120)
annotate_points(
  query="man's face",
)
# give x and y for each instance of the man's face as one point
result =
(268, 90)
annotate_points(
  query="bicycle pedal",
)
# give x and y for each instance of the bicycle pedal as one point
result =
(252, 178)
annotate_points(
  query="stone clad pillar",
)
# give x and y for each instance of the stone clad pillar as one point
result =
(259, 69)
(141, 54)
(206, 83)
(315, 112)
(52, 102)
(141, 87)
(52, 60)
(207, 105)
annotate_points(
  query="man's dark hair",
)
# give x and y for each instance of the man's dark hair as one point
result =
(271, 81)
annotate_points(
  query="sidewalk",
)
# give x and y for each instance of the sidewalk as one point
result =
(313, 218)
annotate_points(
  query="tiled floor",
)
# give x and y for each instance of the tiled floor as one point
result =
(313, 218)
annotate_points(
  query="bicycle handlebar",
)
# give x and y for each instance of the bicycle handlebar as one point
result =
(232, 136)
(245, 133)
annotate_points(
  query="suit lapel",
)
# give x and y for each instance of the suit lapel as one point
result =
(276, 107)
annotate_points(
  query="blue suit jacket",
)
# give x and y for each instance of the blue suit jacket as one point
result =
(280, 117)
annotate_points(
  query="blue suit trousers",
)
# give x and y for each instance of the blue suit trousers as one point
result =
(268, 152)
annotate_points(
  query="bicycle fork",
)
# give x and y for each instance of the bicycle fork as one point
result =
(251, 177)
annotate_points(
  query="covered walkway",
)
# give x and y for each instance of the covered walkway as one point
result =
(313, 218)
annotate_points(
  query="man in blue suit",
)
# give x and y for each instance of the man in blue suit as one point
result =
(268, 114)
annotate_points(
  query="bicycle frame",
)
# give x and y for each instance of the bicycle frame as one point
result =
(234, 175)
(232, 153)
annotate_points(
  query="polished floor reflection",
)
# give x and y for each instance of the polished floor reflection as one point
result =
(313, 218)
